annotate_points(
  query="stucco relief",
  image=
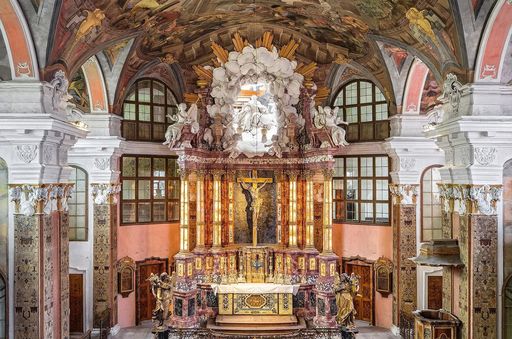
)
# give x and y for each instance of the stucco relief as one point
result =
(485, 156)
(26, 153)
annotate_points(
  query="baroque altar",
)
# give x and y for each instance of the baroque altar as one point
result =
(255, 149)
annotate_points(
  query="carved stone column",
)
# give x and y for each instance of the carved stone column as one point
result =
(279, 210)
(184, 212)
(324, 289)
(200, 250)
(292, 219)
(104, 251)
(404, 247)
(309, 266)
(447, 218)
(41, 260)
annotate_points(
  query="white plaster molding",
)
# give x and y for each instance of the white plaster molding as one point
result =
(486, 198)
(26, 153)
(406, 194)
(485, 156)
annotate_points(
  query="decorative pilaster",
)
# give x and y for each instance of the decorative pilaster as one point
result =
(310, 221)
(41, 260)
(184, 211)
(104, 251)
(404, 247)
(279, 210)
(200, 250)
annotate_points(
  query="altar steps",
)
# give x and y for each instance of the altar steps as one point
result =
(256, 325)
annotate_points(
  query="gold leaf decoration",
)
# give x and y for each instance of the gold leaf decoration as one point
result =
(267, 39)
(288, 50)
(203, 73)
(307, 70)
(220, 52)
(321, 94)
(238, 42)
(190, 98)
(342, 59)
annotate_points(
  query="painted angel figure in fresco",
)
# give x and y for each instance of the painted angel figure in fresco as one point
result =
(346, 288)
(162, 289)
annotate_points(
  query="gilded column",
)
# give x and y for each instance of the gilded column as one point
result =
(325, 297)
(104, 250)
(404, 247)
(217, 253)
(217, 209)
(292, 216)
(184, 211)
(184, 296)
(327, 212)
(279, 210)
(200, 220)
(310, 222)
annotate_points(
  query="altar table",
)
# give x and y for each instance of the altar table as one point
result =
(255, 298)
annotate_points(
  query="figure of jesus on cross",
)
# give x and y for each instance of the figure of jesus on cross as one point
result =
(254, 185)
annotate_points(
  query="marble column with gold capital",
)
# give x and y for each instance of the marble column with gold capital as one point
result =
(310, 218)
(200, 209)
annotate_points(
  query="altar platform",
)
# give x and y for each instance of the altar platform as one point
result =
(261, 325)
(255, 299)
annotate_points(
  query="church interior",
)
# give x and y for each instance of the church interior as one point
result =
(252, 169)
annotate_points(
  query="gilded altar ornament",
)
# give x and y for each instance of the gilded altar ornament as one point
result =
(346, 288)
(162, 289)
(93, 20)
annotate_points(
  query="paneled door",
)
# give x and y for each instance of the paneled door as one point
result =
(76, 303)
(363, 303)
(145, 300)
(434, 292)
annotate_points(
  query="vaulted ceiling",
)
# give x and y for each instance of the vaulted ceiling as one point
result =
(332, 33)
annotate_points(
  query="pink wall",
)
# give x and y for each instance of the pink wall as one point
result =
(370, 242)
(140, 242)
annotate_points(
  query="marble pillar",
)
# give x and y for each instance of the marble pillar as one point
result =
(310, 270)
(404, 247)
(200, 249)
(41, 261)
(104, 252)
(231, 176)
(291, 256)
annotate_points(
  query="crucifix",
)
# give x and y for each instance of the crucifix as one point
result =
(254, 185)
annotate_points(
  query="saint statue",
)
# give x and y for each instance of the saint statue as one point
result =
(181, 119)
(162, 289)
(346, 288)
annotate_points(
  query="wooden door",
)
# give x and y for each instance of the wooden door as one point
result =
(76, 303)
(434, 292)
(145, 299)
(364, 302)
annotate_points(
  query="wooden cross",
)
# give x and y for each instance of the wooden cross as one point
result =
(252, 185)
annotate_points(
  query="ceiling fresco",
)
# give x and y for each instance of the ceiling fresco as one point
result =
(330, 32)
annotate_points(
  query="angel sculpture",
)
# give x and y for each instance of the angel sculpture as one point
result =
(181, 119)
(346, 288)
(162, 289)
(326, 117)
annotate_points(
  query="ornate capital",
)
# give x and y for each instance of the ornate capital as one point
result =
(404, 194)
(231, 175)
(485, 198)
(217, 174)
(105, 193)
(308, 174)
(40, 199)
(293, 175)
(328, 173)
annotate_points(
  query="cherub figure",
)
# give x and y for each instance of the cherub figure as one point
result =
(93, 20)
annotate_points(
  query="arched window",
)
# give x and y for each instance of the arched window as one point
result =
(145, 109)
(431, 225)
(78, 205)
(364, 107)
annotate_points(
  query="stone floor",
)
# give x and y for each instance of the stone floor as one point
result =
(365, 332)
